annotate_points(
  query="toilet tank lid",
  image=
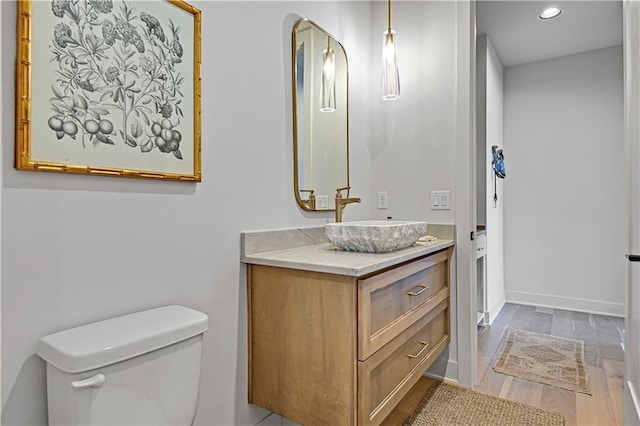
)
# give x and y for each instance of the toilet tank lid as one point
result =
(105, 342)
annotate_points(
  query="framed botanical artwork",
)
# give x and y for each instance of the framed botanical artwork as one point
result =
(109, 87)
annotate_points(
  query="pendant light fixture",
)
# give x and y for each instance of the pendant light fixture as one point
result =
(328, 95)
(390, 79)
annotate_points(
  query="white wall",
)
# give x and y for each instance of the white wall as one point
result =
(494, 214)
(79, 248)
(481, 130)
(413, 144)
(2, 119)
(631, 404)
(489, 124)
(412, 149)
(564, 192)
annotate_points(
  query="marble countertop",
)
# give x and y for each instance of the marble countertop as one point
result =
(321, 256)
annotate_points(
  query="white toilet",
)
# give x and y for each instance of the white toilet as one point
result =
(137, 369)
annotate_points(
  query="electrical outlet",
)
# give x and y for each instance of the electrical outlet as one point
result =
(322, 202)
(383, 200)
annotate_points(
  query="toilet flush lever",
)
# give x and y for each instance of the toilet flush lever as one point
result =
(92, 382)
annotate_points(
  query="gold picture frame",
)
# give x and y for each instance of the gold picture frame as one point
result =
(109, 87)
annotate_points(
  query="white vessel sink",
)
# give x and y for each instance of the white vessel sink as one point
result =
(374, 236)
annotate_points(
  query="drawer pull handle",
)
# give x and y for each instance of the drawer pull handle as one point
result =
(422, 287)
(425, 346)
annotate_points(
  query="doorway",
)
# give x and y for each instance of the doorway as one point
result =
(552, 97)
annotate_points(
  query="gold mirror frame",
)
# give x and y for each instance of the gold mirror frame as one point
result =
(142, 136)
(311, 203)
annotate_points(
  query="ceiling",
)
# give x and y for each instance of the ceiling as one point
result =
(520, 37)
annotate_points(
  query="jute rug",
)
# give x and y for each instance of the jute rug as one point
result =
(552, 360)
(447, 405)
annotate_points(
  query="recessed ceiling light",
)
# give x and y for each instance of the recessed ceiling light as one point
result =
(549, 13)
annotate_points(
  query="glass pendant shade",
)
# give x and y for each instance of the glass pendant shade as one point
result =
(390, 78)
(328, 93)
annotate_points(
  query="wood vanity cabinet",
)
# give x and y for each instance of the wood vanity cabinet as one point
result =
(327, 349)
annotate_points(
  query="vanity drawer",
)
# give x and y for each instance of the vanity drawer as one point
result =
(387, 375)
(390, 302)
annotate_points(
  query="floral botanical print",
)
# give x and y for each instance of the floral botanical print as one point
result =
(116, 61)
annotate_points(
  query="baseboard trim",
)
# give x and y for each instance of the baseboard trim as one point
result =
(270, 420)
(444, 369)
(568, 303)
(495, 309)
(631, 405)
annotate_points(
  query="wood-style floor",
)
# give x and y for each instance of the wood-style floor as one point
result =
(603, 353)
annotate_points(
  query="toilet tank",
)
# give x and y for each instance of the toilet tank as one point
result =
(137, 369)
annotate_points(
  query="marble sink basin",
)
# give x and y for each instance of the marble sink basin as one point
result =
(374, 236)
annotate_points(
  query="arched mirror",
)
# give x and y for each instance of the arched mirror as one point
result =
(320, 116)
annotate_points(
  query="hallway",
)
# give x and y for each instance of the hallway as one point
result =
(603, 354)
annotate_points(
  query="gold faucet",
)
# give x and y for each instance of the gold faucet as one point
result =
(311, 200)
(342, 202)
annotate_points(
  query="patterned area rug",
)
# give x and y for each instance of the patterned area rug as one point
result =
(447, 405)
(551, 360)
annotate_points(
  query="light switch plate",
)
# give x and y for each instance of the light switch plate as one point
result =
(383, 200)
(440, 200)
(444, 199)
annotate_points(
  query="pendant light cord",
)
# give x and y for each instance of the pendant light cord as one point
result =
(389, 15)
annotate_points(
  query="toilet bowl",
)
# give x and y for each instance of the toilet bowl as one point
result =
(137, 369)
